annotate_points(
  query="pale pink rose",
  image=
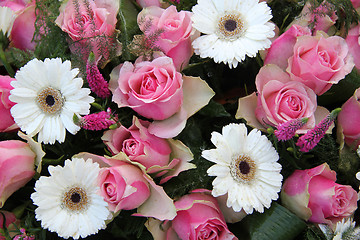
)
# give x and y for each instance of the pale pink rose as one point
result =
(89, 32)
(198, 217)
(7, 121)
(348, 120)
(16, 167)
(282, 47)
(23, 29)
(321, 18)
(319, 62)
(15, 5)
(175, 40)
(149, 3)
(281, 100)
(123, 187)
(161, 157)
(353, 42)
(152, 89)
(157, 91)
(9, 219)
(313, 195)
(126, 185)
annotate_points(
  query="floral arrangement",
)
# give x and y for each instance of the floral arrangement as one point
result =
(179, 119)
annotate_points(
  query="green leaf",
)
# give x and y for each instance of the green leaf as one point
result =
(214, 109)
(275, 223)
(128, 26)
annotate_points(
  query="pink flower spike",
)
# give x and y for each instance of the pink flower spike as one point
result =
(96, 81)
(97, 121)
(309, 140)
(287, 130)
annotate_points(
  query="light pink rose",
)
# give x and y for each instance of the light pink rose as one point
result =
(7, 121)
(175, 40)
(15, 5)
(161, 157)
(16, 167)
(319, 62)
(123, 187)
(126, 185)
(9, 219)
(198, 217)
(92, 31)
(280, 99)
(353, 42)
(149, 3)
(348, 120)
(282, 47)
(23, 29)
(320, 18)
(152, 89)
(313, 195)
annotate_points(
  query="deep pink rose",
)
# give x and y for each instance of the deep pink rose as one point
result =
(15, 5)
(198, 217)
(89, 32)
(348, 120)
(175, 40)
(353, 42)
(16, 167)
(153, 89)
(319, 62)
(138, 144)
(9, 219)
(355, 3)
(7, 121)
(23, 29)
(280, 99)
(313, 195)
(123, 187)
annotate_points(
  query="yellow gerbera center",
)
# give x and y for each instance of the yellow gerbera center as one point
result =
(243, 169)
(50, 100)
(231, 26)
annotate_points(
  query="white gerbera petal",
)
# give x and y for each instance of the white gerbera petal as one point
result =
(67, 198)
(7, 17)
(42, 92)
(246, 168)
(226, 23)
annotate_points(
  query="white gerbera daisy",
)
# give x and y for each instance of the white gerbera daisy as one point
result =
(68, 200)
(246, 168)
(7, 17)
(232, 28)
(47, 96)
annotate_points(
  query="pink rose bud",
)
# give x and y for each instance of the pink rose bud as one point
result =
(348, 120)
(16, 167)
(355, 3)
(177, 32)
(353, 42)
(313, 195)
(9, 219)
(123, 187)
(7, 121)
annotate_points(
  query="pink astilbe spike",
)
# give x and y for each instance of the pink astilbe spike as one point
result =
(287, 130)
(96, 81)
(309, 140)
(97, 121)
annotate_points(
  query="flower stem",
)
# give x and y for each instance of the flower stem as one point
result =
(7, 66)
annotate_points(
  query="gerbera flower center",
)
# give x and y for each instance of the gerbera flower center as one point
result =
(75, 199)
(230, 26)
(243, 169)
(50, 100)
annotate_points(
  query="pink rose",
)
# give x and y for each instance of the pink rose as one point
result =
(175, 40)
(164, 158)
(92, 31)
(148, 3)
(123, 187)
(152, 89)
(7, 121)
(313, 195)
(353, 42)
(16, 167)
(348, 120)
(15, 5)
(23, 29)
(126, 185)
(9, 219)
(198, 217)
(319, 61)
(280, 99)
(355, 3)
